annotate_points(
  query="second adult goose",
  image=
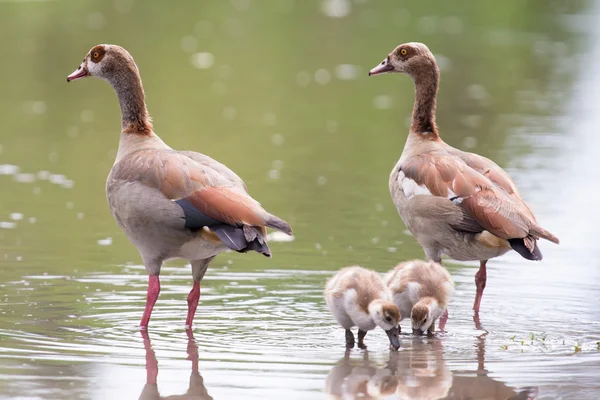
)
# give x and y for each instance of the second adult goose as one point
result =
(171, 204)
(453, 202)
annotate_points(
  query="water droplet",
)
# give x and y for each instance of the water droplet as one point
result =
(7, 225)
(24, 177)
(73, 132)
(379, 207)
(277, 236)
(322, 76)
(277, 139)
(274, 174)
(332, 126)
(70, 205)
(392, 249)
(428, 25)
(336, 8)
(469, 142)
(87, 116)
(8, 169)
(347, 72)
(383, 102)
(188, 44)
(203, 60)
(277, 164)
(453, 25)
(32, 220)
(375, 240)
(16, 216)
(229, 113)
(105, 242)
(321, 180)
(80, 215)
(303, 78)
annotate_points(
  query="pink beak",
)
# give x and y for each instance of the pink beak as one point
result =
(79, 73)
(382, 68)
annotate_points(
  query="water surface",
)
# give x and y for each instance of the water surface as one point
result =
(278, 91)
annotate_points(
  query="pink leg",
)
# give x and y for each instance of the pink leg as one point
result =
(480, 278)
(443, 320)
(192, 299)
(153, 291)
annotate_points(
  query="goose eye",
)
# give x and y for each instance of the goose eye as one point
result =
(403, 52)
(388, 318)
(96, 55)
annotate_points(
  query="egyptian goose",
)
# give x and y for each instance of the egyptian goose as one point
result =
(171, 204)
(357, 297)
(453, 202)
(422, 290)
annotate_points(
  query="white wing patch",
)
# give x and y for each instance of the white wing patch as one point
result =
(410, 187)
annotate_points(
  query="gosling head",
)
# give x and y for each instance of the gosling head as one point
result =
(424, 314)
(386, 315)
(104, 61)
(408, 58)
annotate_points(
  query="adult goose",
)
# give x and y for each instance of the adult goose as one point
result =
(171, 204)
(453, 202)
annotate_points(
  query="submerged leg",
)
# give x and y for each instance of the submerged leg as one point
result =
(443, 320)
(199, 268)
(349, 339)
(480, 279)
(431, 329)
(153, 292)
(361, 337)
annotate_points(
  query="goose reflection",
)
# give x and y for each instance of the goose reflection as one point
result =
(422, 374)
(359, 379)
(196, 389)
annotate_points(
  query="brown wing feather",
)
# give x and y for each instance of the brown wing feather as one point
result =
(225, 205)
(210, 186)
(486, 192)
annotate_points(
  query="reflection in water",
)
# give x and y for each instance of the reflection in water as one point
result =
(351, 379)
(418, 372)
(422, 374)
(196, 389)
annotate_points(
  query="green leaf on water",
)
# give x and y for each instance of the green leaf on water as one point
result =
(505, 347)
(513, 338)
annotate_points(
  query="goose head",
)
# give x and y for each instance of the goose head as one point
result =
(386, 315)
(104, 61)
(407, 58)
(423, 314)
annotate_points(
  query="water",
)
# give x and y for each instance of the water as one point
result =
(278, 92)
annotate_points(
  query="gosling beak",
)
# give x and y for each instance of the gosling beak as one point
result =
(417, 332)
(384, 67)
(393, 335)
(79, 73)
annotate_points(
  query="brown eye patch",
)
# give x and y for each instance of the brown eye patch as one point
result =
(403, 52)
(97, 54)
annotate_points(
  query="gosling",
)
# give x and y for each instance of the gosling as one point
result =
(422, 290)
(358, 297)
